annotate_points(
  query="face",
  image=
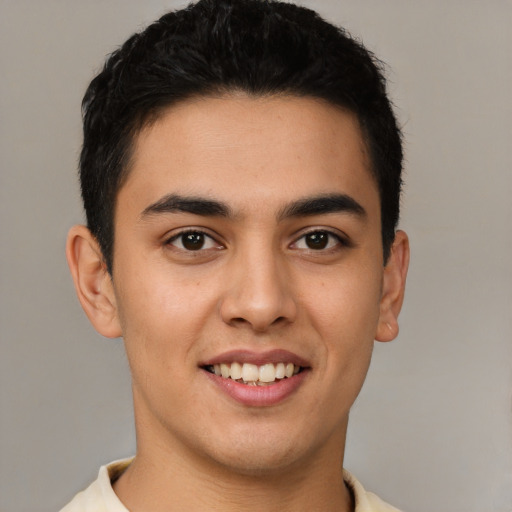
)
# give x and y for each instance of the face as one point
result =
(248, 279)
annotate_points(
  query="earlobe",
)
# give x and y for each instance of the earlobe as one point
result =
(393, 288)
(93, 283)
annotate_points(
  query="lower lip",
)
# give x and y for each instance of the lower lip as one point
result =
(258, 396)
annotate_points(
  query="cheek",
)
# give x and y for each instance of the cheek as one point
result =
(347, 303)
(161, 314)
(345, 313)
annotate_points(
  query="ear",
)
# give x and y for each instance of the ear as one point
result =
(93, 283)
(393, 288)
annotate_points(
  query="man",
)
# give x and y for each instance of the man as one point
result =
(241, 177)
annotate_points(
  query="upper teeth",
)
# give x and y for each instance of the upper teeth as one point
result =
(252, 373)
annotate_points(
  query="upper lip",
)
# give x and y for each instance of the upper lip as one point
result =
(257, 358)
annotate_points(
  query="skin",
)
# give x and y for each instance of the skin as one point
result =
(256, 284)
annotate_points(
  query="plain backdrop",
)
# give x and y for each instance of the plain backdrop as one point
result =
(432, 429)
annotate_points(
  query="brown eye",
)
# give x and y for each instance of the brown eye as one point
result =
(317, 240)
(193, 241)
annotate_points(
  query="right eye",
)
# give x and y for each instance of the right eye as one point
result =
(193, 241)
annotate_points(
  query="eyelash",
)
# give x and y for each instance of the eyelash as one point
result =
(180, 236)
(205, 237)
(339, 240)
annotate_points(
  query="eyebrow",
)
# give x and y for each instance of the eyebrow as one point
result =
(307, 207)
(173, 203)
(323, 204)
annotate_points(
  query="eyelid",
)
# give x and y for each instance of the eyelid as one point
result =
(342, 238)
(175, 235)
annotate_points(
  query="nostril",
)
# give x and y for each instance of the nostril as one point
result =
(239, 320)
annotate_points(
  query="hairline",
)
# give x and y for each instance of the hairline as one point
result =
(145, 120)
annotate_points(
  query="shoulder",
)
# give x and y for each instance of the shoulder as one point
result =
(365, 501)
(99, 496)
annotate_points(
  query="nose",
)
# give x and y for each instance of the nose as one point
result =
(259, 293)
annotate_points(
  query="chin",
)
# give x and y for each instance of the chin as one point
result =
(258, 462)
(262, 453)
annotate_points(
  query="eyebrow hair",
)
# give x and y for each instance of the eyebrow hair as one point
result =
(318, 205)
(195, 205)
(309, 206)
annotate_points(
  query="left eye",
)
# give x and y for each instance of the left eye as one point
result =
(193, 241)
(317, 241)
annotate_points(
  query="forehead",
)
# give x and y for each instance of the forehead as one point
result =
(243, 149)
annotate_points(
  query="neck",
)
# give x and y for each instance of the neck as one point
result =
(172, 480)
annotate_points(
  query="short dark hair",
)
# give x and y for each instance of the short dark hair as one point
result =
(261, 47)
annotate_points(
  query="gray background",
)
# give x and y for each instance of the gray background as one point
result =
(432, 429)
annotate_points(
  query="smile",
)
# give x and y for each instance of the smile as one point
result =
(254, 375)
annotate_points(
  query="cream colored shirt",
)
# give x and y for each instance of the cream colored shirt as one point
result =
(100, 497)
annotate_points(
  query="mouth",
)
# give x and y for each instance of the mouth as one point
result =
(257, 379)
(255, 375)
